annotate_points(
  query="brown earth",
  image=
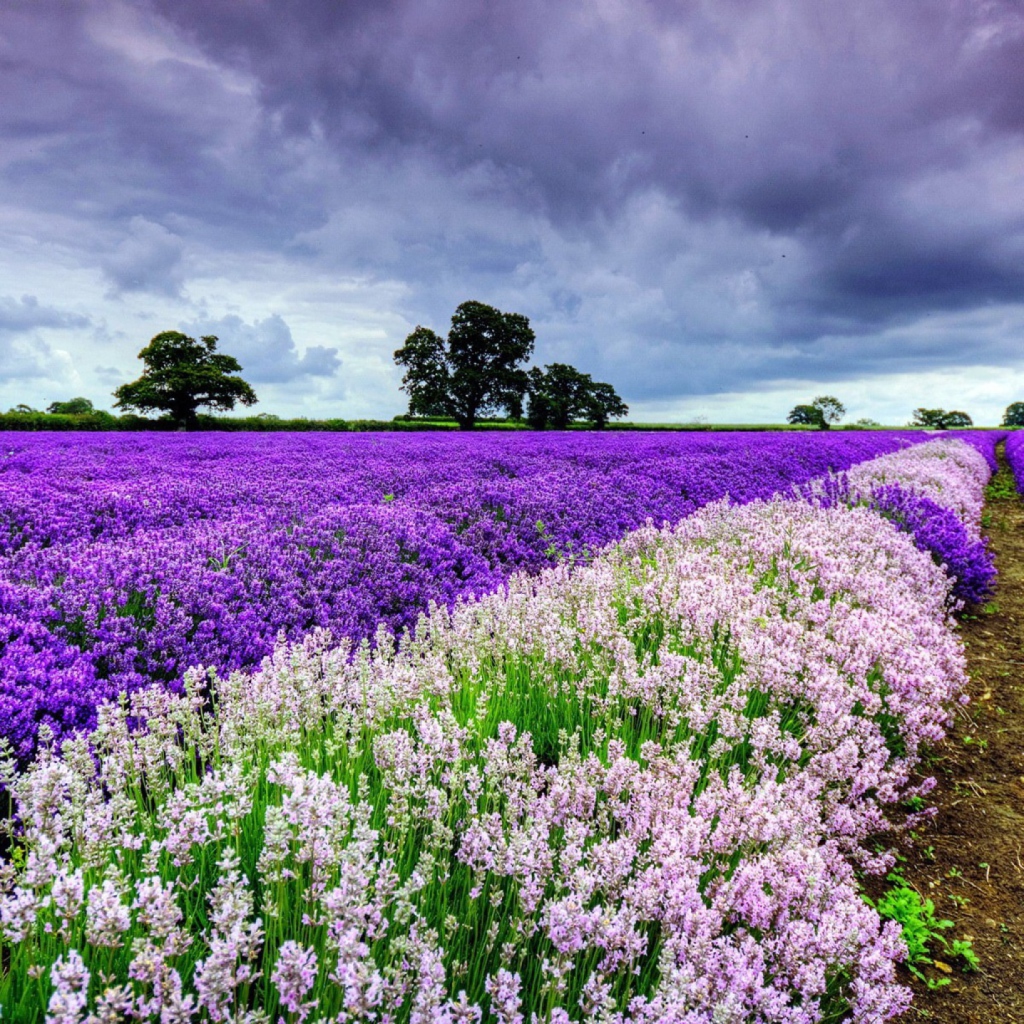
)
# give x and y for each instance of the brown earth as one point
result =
(969, 860)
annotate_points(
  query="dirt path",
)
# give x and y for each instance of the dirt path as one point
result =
(970, 859)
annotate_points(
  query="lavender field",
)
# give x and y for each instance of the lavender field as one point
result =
(626, 767)
(126, 560)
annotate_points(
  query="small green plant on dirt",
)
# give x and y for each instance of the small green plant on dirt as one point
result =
(920, 926)
(1001, 486)
(963, 949)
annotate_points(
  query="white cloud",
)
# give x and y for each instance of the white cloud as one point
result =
(148, 259)
(266, 349)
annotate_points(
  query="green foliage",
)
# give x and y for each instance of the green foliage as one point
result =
(962, 948)
(941, 419)
(821, 413)
(921, 930)
(1014, 415)
(183, 374)
(807, 415)
(560, 393)
(831, 409)
(475, 372)
(920, 927)
(72, 407)
(34, 420)
(1002, 485)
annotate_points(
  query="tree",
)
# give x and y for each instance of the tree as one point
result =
(604, 404)
(1014, 415)
(807, 415)
(560, 393)
(940, 419)
(72, 407)
(183, 374)
(832, 410)
(956, 420)
(475, 372)
(821, 413)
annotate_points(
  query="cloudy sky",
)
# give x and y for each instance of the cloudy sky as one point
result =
(722, 207)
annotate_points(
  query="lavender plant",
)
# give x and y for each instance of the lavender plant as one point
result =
(941, 532)
(934, 492)
(1015, 456)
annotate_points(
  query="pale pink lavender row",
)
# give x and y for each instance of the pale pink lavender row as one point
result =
(934, 492)
(125, 559)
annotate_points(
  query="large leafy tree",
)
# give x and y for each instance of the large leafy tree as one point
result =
(560, 393)
(821, 413)
(604, 404)
(832, 410)
(476, 371)
(1014, 415)
(183, 374)
(941, 419)
(808, 416)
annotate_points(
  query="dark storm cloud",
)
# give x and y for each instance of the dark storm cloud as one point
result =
(266, 349)
(108, 119)
(796, 118)
(701, 196)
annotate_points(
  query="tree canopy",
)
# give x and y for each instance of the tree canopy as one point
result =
(821, 413)
(183, 374)
(559, 394)
(1014, 415)
(72, 407)
(941, 419)
(807, 415)
(475, 372)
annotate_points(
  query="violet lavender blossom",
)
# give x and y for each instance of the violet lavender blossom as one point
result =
(940, 532)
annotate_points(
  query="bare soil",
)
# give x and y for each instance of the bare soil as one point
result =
(970, 858)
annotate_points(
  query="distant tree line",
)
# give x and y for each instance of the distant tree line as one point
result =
(825, 410)
(476, 371)
(465, 379)
(941, 419)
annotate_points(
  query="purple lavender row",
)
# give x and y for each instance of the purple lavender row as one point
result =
(1015, 456)
(913, 490)
(126, 559)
